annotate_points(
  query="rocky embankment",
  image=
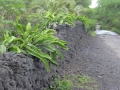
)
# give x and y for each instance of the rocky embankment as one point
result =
(21, 72)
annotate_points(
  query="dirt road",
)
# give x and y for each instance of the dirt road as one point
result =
(110, 63)
(104, 61)
(99, 57)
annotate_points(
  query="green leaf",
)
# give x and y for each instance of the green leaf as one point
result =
(2, 49)
(49, 48)
(41, 39)
(36, 27)
(37, 38)
(42, 54)
(15, 49)
(38, 50)
(60, 54)
(59, 44)
(28, 27)
(18, 39)
(49, 31)
(20, 29)
(6, 35)
(53, 55)
(53, 61)
(36, 54)
(28, 31)
(7, 41)
(46, 40)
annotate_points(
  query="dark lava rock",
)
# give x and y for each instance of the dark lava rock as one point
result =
(20, 72)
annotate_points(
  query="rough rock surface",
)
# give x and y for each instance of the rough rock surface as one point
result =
(20, 72)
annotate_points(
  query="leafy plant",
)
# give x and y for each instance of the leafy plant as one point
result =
(41, 44)
(61, 84)
(88, 23)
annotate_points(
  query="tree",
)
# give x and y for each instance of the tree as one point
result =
(84, 3)
(108, 12)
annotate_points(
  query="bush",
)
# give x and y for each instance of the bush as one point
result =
(88, 23)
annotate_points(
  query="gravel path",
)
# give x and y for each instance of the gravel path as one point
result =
(110, 63)
(103, 61)
(98, 57)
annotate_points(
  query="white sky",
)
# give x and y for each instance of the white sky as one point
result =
(93, 4)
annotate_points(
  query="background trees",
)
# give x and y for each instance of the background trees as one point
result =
(24, 26)
(108, 13)
(36, 11)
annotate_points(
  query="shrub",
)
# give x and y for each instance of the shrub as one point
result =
(89, 24)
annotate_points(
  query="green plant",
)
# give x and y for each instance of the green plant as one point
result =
(73, 81)
(83, 79)
(92, 33)
(55, 11)
(41, 44)
(45, 12)
(61, 84)
(89, 24)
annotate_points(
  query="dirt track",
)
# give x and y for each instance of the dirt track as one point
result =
(110, 63)
(102, 61)
(98, 57)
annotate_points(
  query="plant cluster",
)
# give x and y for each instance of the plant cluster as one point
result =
(89, 23)
(43, 12)
(74, 81)
(33, 42)
(35, 38)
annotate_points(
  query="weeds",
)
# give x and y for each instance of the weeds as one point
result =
(70, 82)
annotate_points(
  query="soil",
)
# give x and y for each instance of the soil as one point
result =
(97, 57)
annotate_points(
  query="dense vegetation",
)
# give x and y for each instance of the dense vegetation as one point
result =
(108, 13)
(25, 25)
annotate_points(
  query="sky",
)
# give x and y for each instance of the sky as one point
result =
(93, 4)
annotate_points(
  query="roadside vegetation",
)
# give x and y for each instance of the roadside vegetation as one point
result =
(110, 14)
(106, 14)
(74, 81)
(25, 26)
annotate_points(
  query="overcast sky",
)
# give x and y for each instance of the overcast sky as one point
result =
(93, 4)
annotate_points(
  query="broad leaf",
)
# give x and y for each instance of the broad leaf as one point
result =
(49, 48)
(59, 44)
(36, 54)
(2, 49)
(15, 49)
(28, 27)
(7, 41)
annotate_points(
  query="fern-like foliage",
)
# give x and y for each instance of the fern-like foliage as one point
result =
(39, 44)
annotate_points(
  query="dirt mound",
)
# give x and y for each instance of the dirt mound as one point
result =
(20, 72)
